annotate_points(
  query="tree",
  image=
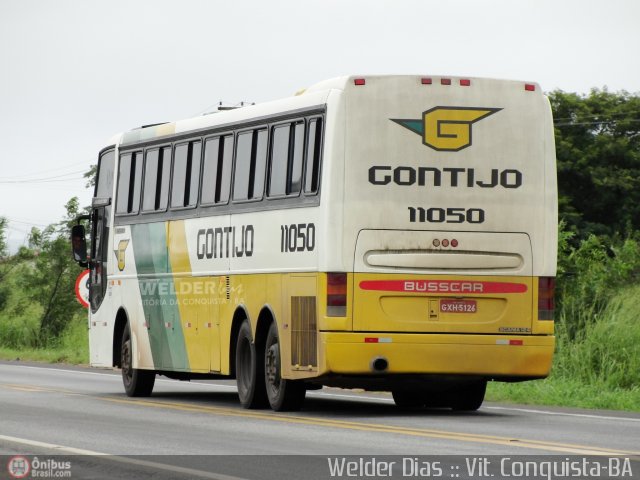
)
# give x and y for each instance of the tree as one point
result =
(51, 280)
(3, 238)
(598, 153)
(4, 267)
(91, 176)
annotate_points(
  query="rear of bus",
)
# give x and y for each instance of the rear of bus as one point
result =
(449, 238)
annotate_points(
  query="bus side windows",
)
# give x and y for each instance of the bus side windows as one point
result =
(250, 164)
(186, 174)
(287, 149)
(216, 171)
(314, 155)
(150, 180)
(129, 183)
(156, 179)
(104, 182)
(162, 193)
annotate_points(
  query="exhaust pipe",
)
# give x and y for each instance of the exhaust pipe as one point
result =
(379, 364)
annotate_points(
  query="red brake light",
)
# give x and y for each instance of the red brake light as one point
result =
(546, 298)
(336, 294)
(530, 87)
(465, 82)
(426, 81)
(445, 81)
(359, 81)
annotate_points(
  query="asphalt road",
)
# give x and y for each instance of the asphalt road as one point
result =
(198, 430)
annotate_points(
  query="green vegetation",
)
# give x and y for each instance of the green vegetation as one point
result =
(597, 362)
(40, 318)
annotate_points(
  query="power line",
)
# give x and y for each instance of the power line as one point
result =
(47, 179)
(40, 172)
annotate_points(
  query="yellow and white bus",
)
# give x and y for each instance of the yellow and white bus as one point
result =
(392, 233)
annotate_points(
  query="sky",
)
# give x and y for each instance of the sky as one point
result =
(75, 72)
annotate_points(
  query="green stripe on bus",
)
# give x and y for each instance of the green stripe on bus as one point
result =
(159, 300)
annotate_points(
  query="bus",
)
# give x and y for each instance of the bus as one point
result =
(390, 233)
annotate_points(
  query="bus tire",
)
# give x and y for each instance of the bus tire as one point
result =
(408, 399)
(469, 398)
(249, 371)
(137, 383)
(283, 395)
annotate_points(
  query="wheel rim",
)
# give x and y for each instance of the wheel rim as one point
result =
(127, 370)
(272, 368)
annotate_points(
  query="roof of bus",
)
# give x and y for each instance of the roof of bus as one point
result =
(314, 95)
(219, 118)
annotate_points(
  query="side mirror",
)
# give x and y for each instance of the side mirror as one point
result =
(79, 245)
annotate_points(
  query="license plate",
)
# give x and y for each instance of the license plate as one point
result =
(458, 306)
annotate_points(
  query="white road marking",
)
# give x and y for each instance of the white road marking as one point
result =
(566, 414)
(340, 395)
(119, 459)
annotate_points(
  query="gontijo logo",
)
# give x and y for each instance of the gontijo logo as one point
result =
(122, 248)
(447, 129)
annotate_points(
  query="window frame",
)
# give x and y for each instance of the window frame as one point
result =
(220, 136)
(255, 129)
(292, 122)
(320, 145)
(158, 147)
(133, 153)
(188, 142)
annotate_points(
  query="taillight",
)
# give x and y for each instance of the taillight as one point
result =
(546, 297)
(336, 294)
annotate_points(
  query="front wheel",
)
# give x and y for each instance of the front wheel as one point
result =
(137, 383)
(283, 395)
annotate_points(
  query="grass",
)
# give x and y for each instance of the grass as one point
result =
(565, 392)
(72, 347)
(600, 368)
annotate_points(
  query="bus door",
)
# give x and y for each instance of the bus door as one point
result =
(100, 218)
(98, 258)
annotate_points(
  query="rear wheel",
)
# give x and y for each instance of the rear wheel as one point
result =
(137, 383)
(408, 398)
(283, 395)
(249, 371)
(470, 397)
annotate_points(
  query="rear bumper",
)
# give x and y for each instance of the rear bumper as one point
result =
(490, 356)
